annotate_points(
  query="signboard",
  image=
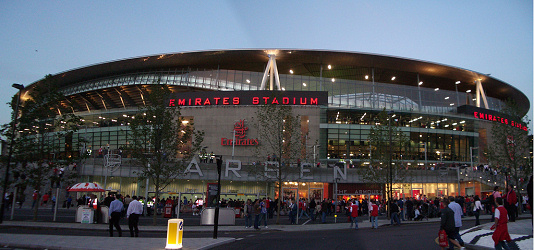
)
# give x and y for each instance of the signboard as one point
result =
(243, 98)
(490, 115)
(87, 216)
(212, 194)
(359, 189)
(240, 131)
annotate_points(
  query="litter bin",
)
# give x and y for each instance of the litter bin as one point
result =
(226, 216)
(167, 211)
(237, 212)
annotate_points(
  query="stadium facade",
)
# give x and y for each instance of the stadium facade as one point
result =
(446, 112)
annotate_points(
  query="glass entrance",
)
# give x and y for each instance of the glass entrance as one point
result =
(289, 193)
(316, 193)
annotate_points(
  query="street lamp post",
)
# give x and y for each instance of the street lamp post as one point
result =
(216, 219)
(20, 87)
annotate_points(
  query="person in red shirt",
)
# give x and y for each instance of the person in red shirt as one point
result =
(511, 199)
(374, 215)
(302, 207)
(35, 197)
(354, 214)
(45, 199)
(501, 226)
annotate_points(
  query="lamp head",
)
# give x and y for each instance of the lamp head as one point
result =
(17, 86)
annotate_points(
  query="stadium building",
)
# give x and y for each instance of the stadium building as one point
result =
(446, 111)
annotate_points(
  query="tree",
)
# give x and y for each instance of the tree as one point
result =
(387, 142)
(510, 146)
(45, 121)
(162, 143)
(281, 142)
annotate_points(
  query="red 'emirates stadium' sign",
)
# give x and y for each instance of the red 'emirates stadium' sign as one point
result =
(491, 115)
(260, 97)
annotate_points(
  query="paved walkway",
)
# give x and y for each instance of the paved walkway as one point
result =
(476, 238)
(480, 237)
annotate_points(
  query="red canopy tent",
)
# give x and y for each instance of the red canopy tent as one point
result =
(86, 187)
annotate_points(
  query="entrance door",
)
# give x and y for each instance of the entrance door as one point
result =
(417, 193)
(442, 192)
(316, 193)
(289, 193)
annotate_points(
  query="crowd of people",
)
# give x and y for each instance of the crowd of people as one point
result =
(119, 207)
(257, 212)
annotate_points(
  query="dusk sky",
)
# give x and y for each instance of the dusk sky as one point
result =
(49, 37)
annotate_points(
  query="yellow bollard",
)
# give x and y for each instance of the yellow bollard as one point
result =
(174, 233)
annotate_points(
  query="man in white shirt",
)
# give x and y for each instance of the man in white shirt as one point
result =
(115, 209)
(135, 209)
(457, 218)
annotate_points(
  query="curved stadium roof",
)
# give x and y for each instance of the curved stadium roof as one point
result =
(348, 65)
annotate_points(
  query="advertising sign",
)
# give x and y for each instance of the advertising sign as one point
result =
(493, 116)
(212, 194)
(242, 98)
(87, 216)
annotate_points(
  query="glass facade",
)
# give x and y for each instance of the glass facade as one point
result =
(348, 136)
(425, 115)
(342, 92)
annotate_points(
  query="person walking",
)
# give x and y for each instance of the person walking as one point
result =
(115, 209)
(69, 202)
(126, 202)
(46, 196)
(400, 203)
(496, 194)
(374, 215)
(257, 212)
(448, 224)
(354, 215)
(303, 208)
(135, 209)
(318, 208)
(409, 208)
(312, 209)
(394, 213)
(501, 226)
(324, 210)
(263, 216)
(476, 210)
(510, 202)
(457, 209)
(248, 214)
(35, 198)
